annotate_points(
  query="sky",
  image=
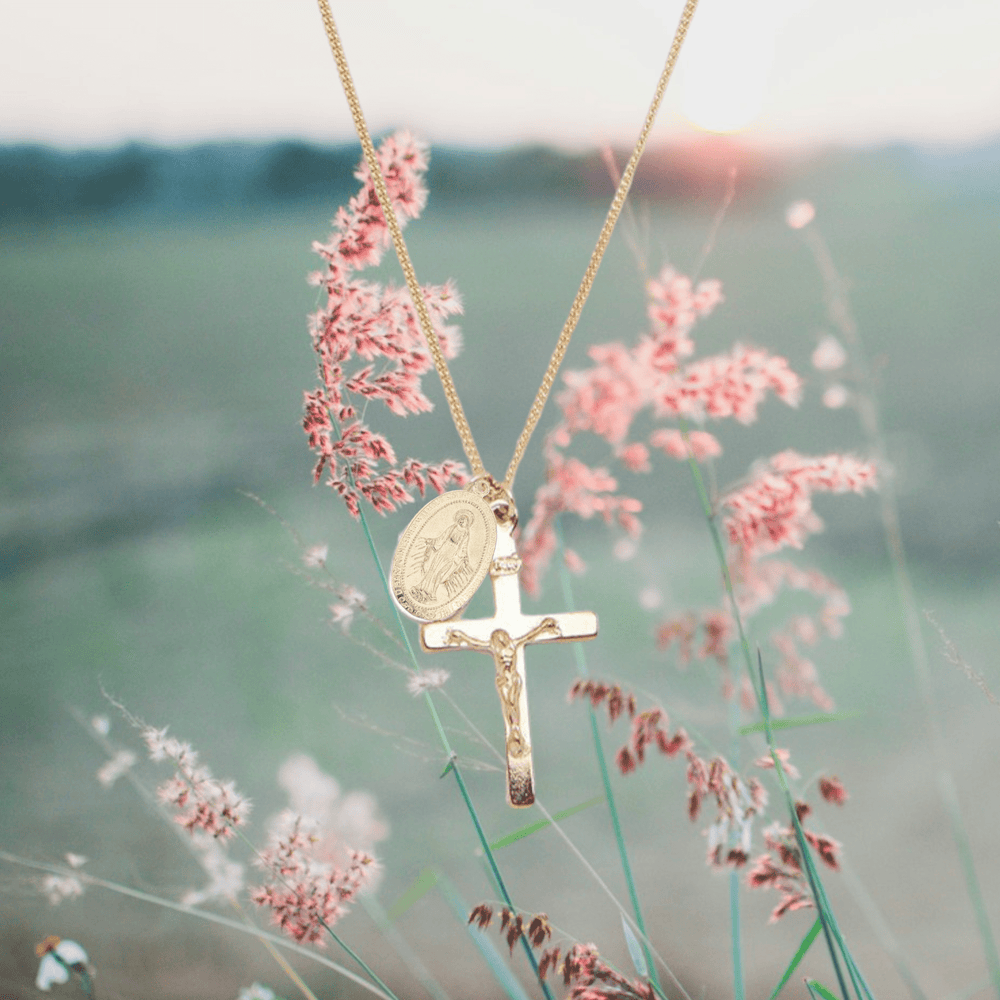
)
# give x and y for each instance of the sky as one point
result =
(476, 72)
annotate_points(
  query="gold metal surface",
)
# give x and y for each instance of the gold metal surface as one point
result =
(443, 556)
(438, 566)
(504, 637)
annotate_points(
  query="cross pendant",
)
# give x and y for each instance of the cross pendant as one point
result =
(504, 637)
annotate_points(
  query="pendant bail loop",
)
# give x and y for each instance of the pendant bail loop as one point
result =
(499, 498)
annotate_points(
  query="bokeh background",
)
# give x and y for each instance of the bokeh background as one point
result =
(162, 176)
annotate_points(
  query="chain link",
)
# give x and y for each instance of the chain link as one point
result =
(433, 344)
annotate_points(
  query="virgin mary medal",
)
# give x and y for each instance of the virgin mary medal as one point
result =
(443, 556)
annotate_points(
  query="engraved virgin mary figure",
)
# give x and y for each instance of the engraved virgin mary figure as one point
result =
(445, 561)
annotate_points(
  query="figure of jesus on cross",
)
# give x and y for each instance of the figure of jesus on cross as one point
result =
(504, 637)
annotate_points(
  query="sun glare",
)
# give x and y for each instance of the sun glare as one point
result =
(727, 68)
(722, 104)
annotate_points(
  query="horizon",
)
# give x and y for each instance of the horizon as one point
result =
(678, 139)
(789, 73)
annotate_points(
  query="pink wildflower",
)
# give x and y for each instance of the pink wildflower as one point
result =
(573, 487)
(599, 693)
(775, 509)
(737, 803)
(832, 789)
(635, 457)
(796, 675)
(652, 375)
(781, 868)
(767, 762)
(827, 848)
(671, 442)
(202, 802)
(305, 895)
(379, 326)
(681, 631)
(673, 308)
(593, 979)
(717, 627)
(334, 818)
(786, 878)
(728, 385)
(759, 583)
(605, 399)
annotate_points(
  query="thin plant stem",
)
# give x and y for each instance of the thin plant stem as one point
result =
(401, 946)
(215, 918)
(279, 959)
(840, 314)
(735, 932)
(153, 804)
(581, 663)
(577, 853)
(735, 936)
(239, 833)
(452, 758)
(807, 866)
(890, 945)
(357, 958)
(326, 926)
(502, 974)
(759, 685)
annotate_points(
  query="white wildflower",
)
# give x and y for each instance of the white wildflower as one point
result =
(836, 396)
(226, 876)
(256, 992)
(111, 770)
(58, 958)
(799, 214)
(829, 354)
(427, 680)
(315, 556)
(650, 598)
(59, 887)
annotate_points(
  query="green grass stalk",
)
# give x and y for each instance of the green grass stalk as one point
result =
(492, 957)
(552, 820)
(155, 806)
(887, 940)
(735, 929)
(807, 866)
(841, 316)
(735, 936)
(453, 759)
(401, 946)
(581, 665)
(757, 680)
(214, 918)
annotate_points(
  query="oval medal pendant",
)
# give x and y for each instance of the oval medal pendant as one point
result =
(443, 556)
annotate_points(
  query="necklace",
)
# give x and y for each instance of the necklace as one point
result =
(448, 548)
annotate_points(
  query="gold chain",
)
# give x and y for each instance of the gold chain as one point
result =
(548, 379)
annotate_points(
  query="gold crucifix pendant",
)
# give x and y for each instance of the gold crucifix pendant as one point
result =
(504, 637)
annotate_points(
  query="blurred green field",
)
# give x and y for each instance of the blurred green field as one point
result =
(152, 373)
